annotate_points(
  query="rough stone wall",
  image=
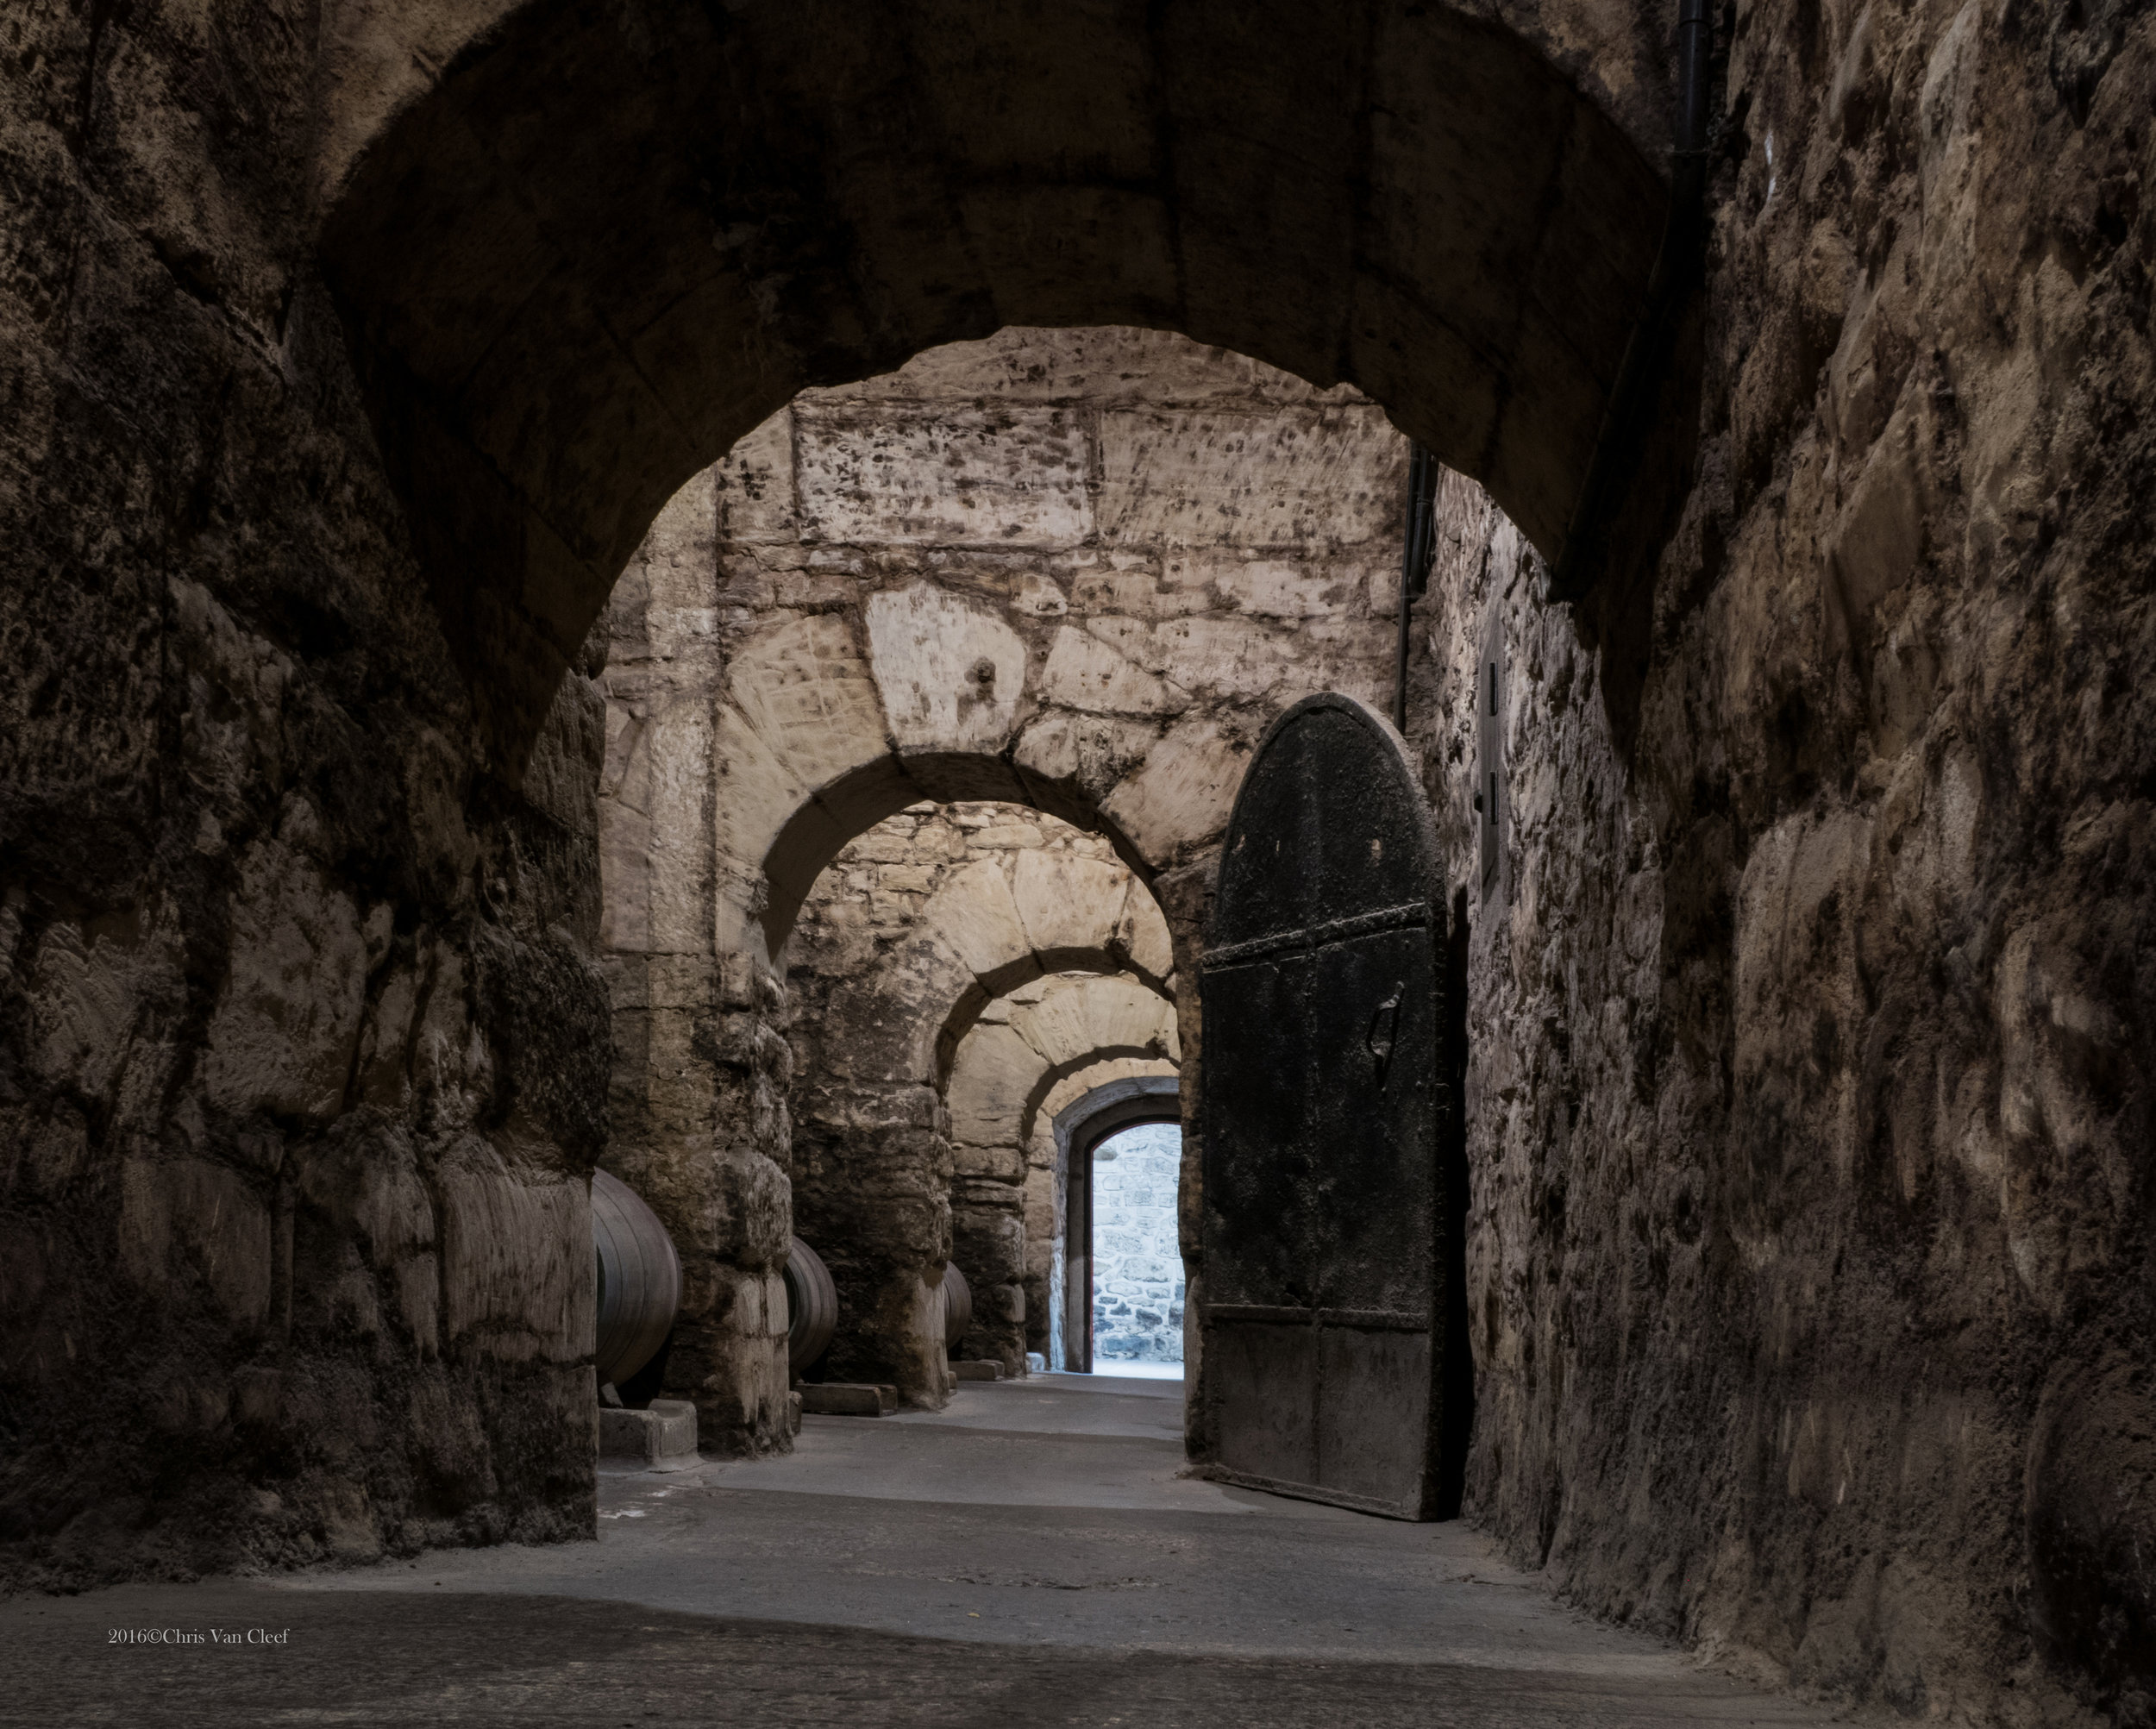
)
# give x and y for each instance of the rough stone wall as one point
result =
(301, 1048)
(1137, 1268)
(1811, 1018)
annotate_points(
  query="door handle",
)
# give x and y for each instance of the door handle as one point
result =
(1384, 1021)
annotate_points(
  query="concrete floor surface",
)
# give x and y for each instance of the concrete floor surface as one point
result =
(1030, 1557)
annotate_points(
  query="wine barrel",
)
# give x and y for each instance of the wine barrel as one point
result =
(639, 1279)
(957, 1304)
(811, 1306)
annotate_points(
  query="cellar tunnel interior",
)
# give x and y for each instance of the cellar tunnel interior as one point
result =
(1546, 617)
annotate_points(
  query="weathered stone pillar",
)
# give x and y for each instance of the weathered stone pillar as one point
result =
(700, 1074)
(873, 1174)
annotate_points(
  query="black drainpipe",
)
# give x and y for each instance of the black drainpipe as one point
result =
(1414, 562)
(1639, 377)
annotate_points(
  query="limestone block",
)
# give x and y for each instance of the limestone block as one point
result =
(1131, 593)
(1032, 364)
(1144, 937)
(1219, 657)
(886, 1027)
(1008, 836)
(804, 691)
(661, 981)
(679, 563)
(515, 1258)
(1043, 1214)
(1179, 800)
(1098, 1014)
(1039, 597)
(1068, 903)
(451, 1065)
(1881, 536)
(659, 1437)
(997, 1164)
(1008, 476)
(976, 917)
(383, 1070)
(951, 674)
(755, 1210)
(655, 834)
(186, 1217)
(1281, 588)
(753, 486)
(85, 989)
(756, 789)
(43, 1159)
(1794, 870)
(1091, 752)
(989, 1228)
(993, 1074)
(282, 1037)
(367, 1182)
(1086, 673)
(1312, 476)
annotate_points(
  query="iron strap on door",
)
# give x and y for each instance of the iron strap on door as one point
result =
(1406, 915)
(1370, 1320)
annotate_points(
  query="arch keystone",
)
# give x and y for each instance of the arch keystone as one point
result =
(949, 675)
(1069, 902)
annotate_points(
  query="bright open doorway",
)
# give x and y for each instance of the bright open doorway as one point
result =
(1137, 1268)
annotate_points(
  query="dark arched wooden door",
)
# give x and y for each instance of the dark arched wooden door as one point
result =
(1321, 1106)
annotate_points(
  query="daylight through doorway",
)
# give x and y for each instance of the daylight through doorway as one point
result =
(1137, 1268)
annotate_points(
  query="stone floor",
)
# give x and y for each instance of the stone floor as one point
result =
(1028, 1556)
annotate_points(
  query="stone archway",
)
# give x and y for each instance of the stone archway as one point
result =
(1009, 1192)
(687, 219)
(878, 1028)
(809, 641)
(1895, 676)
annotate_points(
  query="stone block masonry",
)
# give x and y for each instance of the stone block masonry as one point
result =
(1138, 1269)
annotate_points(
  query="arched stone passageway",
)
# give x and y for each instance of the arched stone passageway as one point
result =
(1075, 571)
(723, 209)
(927, 930)
(1809, 1104)
(1041, 1036)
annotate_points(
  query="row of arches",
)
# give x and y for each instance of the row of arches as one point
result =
(1034, 956)
(1070, 573)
